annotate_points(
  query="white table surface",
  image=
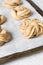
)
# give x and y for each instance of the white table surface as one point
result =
(35, 59)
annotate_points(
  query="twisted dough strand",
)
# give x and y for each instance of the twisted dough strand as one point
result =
(31, 28)
(2, 19)
(4, 36)
(11, 3)
(20, 12)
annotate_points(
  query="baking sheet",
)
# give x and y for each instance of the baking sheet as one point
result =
(18, 43)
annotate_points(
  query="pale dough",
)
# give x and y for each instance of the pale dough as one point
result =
(2, 19)
(31, 28)
(20, 12)
(11, 3)
(4, 36)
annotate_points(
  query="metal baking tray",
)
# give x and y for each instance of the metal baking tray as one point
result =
(19, 43)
